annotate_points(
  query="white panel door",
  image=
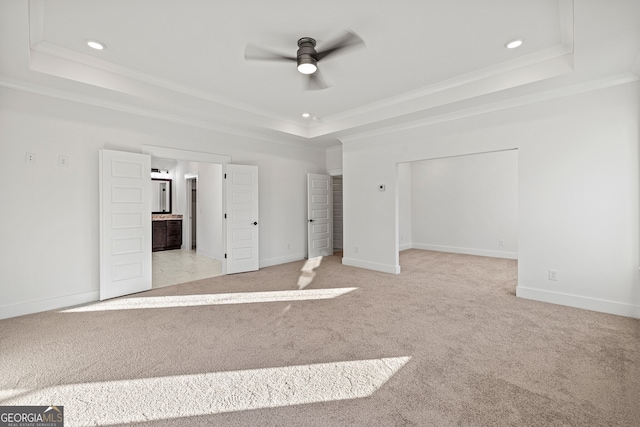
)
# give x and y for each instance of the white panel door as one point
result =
(241, 188)
(320, 215)
(125, 223)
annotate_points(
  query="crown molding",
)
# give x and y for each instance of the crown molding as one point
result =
(538, 65)
(459, 81)
(148, 113)
(543, 65)
(52, 59)
(38, 44)
(90, 61)
(547, 95)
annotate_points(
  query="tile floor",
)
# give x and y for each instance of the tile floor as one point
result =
(181, 266)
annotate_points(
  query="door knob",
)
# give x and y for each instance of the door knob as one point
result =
(255, 223)
(310, 220)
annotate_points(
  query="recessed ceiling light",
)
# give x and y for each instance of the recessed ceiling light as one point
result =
(514, 43)
(306, 115)
(95, 44)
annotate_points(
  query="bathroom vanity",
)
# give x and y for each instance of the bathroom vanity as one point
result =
(166, 231)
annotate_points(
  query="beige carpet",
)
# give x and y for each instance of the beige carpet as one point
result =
(446, 343)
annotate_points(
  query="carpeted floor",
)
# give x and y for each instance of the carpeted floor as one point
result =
(445, 343)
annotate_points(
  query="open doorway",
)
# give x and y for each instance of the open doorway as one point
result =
(337, 216)
(194, 211)
(191, 212)
(119, 278)
(200, 253)
(465, 204)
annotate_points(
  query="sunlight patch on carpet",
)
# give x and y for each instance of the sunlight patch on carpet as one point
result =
(307, 275)
(210, 299)
(147, 399)
(12, 392)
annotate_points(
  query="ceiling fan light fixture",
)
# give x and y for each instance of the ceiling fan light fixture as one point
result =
(307, 57)
(307, 65)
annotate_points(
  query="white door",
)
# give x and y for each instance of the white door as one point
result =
(125, 223)
(320, 215)
(241, 188)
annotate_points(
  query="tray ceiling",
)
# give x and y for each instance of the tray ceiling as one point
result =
(184, 61)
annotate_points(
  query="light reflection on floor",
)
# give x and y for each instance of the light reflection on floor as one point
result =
(308, 274)
(133, 303)
(147, 399)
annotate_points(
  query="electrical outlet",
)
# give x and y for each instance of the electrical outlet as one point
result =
(63, 160)
(500, 242)
(30, 158)
(356, 249)
(553, 275)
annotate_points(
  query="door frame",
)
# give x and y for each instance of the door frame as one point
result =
(189, 156)
(196, 157)
(188, 177)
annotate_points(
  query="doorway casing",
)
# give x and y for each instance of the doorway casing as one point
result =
(189, 214)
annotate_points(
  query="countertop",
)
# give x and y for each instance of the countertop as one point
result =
(165, 217)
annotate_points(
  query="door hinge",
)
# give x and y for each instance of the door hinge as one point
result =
(225, 216)
(225, 256)
(225, 176)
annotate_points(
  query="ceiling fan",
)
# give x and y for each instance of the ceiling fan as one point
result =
(307, 57)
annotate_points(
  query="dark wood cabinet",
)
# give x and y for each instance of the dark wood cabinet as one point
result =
(159, 239)
(174, 234)
(167, 234)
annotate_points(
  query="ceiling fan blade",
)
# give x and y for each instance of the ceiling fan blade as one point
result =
(348, 40)
(316, 82)
(256, 53)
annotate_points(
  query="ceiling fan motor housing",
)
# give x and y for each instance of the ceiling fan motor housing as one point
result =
(306, 52)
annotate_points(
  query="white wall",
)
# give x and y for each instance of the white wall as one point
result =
(404, 191)
(577, 193)
(466, 204)
(334, 161)
(50, 252)
(209, 217)
(209, 227)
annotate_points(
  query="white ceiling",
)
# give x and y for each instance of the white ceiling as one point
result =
(430, 60)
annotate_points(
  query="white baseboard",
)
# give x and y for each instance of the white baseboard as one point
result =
(466, 251)
(593, 304)
(385, 268)
(405, 246)
(37, 306)
(209, 254)
(281, 260)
